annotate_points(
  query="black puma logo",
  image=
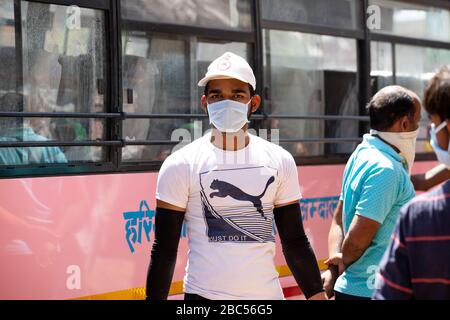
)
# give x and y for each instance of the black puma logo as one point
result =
(227, 189)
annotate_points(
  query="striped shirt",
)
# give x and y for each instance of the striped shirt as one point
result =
(417, 262)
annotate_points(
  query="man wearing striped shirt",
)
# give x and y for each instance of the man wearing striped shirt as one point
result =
(417, 262)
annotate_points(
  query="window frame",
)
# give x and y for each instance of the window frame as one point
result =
(110, 115)
(362, 80)
(248, 37)
(114, 115)
(394, 40)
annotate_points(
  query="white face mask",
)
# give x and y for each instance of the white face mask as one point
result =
(228, 115)
(442, 155)
(404, 141)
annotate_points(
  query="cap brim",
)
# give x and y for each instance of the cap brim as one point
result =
(206, 79)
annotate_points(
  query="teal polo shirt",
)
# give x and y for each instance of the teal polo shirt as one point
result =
(376, 185)
(31, 155)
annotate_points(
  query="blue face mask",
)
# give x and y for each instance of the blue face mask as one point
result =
(442, 155)
(228, 115)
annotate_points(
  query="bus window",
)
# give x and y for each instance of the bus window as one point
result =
(330, 13)
(154, 82)
(415, 67)
(382, 72)
(60, 66)
(222, 14)
(15, 129)
(168, 87)
(413, 20)
(160, 72)
(309, 74)
(405, 64)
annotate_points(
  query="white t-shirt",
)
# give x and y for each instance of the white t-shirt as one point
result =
(229, 198)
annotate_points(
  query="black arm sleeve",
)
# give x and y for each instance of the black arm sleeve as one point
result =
(168, 225)
(297, 249)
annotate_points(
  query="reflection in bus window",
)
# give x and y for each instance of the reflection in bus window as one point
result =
(163, 89)
(382, 73)
(158, 77)
(139, 83)
(65, 61)
(60, 67)
(8, 72)
(415, 66)
(221, 14)
(413, 20)
(11, 131)
(309, 74)
(332, 13)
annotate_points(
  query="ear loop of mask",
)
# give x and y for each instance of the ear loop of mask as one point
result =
(439, 128)
(249, 112)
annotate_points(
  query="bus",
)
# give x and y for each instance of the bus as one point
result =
(94, 95)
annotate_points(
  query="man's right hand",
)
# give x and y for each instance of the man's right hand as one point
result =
(328, 280)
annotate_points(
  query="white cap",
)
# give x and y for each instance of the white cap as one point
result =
(229, 66)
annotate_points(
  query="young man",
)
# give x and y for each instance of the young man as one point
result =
(417, 262)
(376, 185)
(229, 186)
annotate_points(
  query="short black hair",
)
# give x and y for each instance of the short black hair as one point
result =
(437, 94)
(11, 102)
(385, 109)
(252, 91)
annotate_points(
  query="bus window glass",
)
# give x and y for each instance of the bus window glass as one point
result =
(330, 13)
(309, 74)
(215, 14)
(60, 65)
(415, 66)
(160, 75)
(412, 20)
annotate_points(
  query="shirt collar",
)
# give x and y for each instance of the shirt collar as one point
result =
(22, 132)
(375, 142)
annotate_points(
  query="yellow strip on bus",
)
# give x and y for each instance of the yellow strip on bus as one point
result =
(175, 288)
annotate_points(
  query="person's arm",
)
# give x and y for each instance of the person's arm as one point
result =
(297, 250)
(172, 193)
(335, 239)
(168, 225)
(433, 177)
(336, 234)
(359, 236)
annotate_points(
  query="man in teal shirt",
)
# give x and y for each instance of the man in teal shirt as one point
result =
(376, 185)
(11, 131)
(32, 155)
